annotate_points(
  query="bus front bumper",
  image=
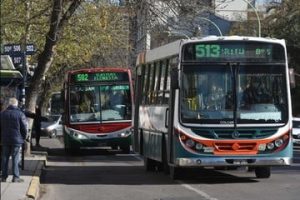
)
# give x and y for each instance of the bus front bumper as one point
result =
(236, 161)
(108, 140)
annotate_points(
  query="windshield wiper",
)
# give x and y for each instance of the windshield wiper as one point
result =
(234, 73)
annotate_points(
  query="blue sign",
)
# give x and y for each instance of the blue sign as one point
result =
(16, 48)
(16, 53)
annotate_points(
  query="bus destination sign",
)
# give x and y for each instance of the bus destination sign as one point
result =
(230, 50)
(217, 51)
(99, 76)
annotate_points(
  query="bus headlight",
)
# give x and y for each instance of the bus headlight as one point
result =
(190, 143)
(270, 145)
(195, 146)
(278, 142)
(199, 146)
(78, 136)
(127, 133)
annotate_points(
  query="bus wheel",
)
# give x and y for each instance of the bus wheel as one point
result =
(125, 149)
(175, 172)
(149, 164)
(262, 172)
(166, 167)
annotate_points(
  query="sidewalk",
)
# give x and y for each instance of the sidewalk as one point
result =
(29, 189)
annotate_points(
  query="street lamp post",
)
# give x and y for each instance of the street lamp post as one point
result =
(213, 23)
(257, 16)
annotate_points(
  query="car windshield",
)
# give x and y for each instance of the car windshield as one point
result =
(100, 103)
(224, 94)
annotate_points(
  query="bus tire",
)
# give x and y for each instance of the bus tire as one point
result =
(149, 164)
(263, 172)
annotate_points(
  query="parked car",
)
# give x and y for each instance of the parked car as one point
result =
(296, 130)
(53, 126)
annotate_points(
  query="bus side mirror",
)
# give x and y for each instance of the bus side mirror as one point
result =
(174, 78)
(292, 77)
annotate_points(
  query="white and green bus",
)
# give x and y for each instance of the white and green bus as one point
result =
(11, 81)
(214, 102)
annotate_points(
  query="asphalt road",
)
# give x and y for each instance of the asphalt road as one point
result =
(110, 175)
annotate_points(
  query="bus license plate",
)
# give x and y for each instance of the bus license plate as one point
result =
(240, 162)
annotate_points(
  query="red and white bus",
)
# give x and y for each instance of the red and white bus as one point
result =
(98, 108)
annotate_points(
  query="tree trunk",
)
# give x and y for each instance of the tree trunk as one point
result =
(45, 59)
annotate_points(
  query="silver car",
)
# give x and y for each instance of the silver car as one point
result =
(296, 130)
(53, 126)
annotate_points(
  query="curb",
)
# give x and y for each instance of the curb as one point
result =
(33, 190)
(34, 186)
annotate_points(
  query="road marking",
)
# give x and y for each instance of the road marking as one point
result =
(203, 194)
(137, 156)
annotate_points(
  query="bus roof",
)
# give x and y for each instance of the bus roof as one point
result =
(100, 69)
(173, 48)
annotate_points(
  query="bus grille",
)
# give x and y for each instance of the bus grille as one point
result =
(235, 134)
(235, 146)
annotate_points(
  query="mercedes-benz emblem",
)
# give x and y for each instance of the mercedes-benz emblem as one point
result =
(235, 134)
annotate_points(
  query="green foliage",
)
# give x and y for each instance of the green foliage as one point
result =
(24, 21)
(284, 23)
(96, 29)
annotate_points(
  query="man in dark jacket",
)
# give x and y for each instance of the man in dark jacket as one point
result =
(37, 122)
(13, 134)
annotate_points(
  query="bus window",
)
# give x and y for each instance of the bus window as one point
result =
(156, 82)
(161, 80)
(261, 95)
(167, 84)
(146, 84)
(83, 103)
(151, 84)
(116, 102)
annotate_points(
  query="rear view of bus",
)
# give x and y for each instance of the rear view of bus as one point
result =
(98, 107)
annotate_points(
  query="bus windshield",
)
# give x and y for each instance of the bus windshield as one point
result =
(228, 94)
(97, 103)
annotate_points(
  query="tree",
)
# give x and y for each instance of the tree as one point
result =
(68, 34)
(284, 23)
(61, 13)
(86, 37)
(167, 19)
(97, 36)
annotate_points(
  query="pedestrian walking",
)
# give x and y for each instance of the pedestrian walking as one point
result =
(37, 123)
(13, 134)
